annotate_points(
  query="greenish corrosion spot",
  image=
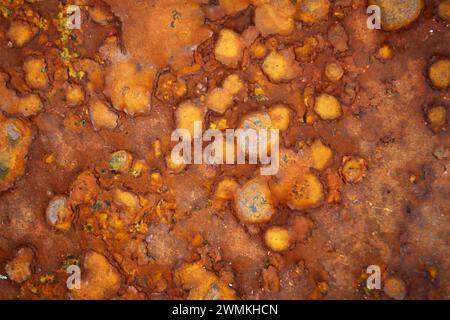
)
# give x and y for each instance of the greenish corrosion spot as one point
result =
(97, 205)
(117, 161)
(70, 261)
(261, 98)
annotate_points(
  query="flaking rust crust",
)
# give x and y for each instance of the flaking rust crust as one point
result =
(86, 177)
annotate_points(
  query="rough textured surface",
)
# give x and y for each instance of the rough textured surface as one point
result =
(149, 233)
